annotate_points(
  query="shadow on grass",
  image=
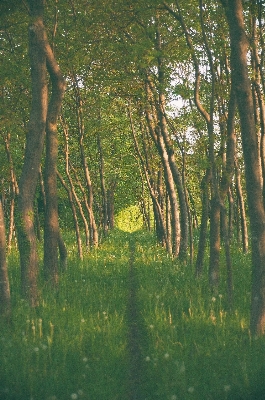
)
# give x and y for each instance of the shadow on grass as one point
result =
(141, 384)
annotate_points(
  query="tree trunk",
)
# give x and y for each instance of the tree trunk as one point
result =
(161, 231)
(214, 273)
(239, 50)
(179, 211)
(5, 301)
(226, 180)
(183, 211)
(51, 221)
(33, 152)
(156, 134)
(169, 181)
(76, 224)
(231, 213)
(14, 191)
(81, 133)
(209, 119)
(242, 211)
(204, 223)
(103, 187)
(110, 204)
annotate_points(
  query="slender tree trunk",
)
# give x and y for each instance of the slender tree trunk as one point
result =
(214, 270)
(76, 224)
(81, 131)
(169, 181)
(145, 207)
(242, 211)
(258, 97)
(79, 202)
(179, 213)
(226, 180)
(209, 119)
(103, 187)
(14, 191)
(51, 221)
(33, 152)
(239, 50)
(204, 224)
(183, 205)
(72, 187)
(156, 134)
(5, 300)
(231, 213)
(183, 211)
(110, 205)
(160, 227)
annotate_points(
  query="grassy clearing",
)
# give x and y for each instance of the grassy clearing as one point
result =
(74, 346)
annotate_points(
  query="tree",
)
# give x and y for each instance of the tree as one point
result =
(242, 87)
(34, 146)
(5, 300)
(52, 236)
(43, 119)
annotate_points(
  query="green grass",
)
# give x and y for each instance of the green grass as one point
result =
(74, 345)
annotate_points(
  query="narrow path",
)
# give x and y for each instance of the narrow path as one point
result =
(136, 335)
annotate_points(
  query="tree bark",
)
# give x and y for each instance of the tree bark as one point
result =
(5, 301)
(154, 127)
(170, 185)
(14, 190)
(182, 241)
(33, 152)
(110, 205)
(51, 221)
(76, 224)
(72, 191)
(226, 180)
(103, 187)
(239, 50)
(161, 231)
(242, 211)
(209, 119)
(81, 136)
(204, 224)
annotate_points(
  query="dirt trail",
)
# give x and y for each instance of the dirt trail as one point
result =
(136, 335)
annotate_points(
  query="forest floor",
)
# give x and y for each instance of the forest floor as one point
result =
(131, 323)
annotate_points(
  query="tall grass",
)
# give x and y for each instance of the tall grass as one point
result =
(74, 345)
(197, 347)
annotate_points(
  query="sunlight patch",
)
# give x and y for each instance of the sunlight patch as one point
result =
(130, 219)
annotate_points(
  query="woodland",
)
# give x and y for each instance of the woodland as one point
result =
(132, 142)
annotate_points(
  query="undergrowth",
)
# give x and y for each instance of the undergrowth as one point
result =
(74, 345)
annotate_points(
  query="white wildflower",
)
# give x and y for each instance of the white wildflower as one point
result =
(182, 368)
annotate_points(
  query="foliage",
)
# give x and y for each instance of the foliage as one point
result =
(130, 219)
